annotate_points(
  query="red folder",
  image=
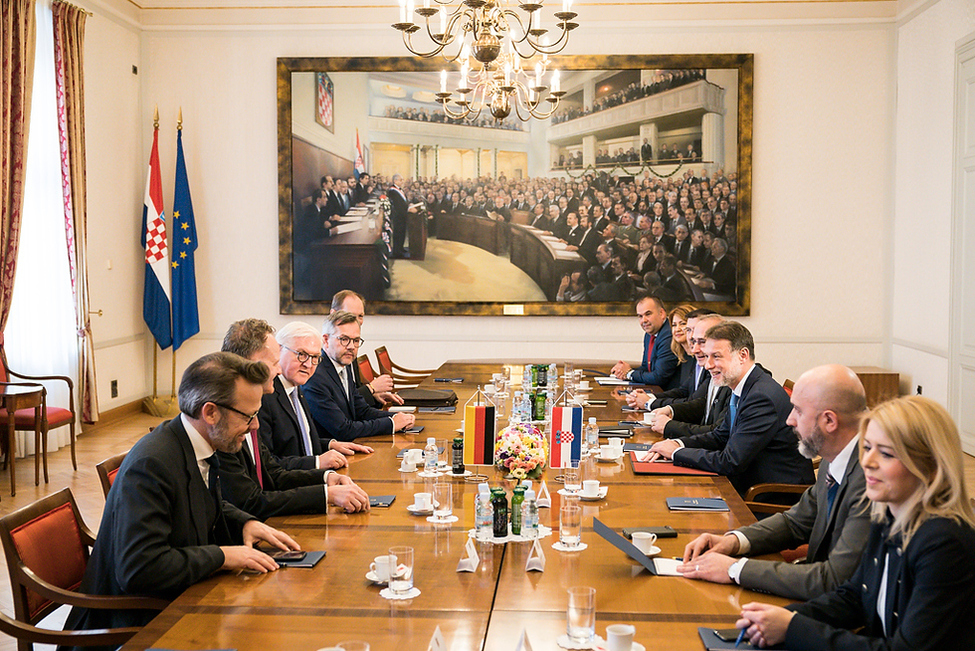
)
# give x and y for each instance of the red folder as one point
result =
(658, 468)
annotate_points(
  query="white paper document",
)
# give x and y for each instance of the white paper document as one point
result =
(667, 566)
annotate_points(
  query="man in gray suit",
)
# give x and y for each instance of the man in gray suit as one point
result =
(827, 403)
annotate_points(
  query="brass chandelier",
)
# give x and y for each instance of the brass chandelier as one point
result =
(494, 45)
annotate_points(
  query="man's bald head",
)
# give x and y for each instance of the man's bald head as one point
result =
(827, 404)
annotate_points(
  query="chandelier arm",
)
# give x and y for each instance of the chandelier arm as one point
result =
(408, 42)
(551, 48)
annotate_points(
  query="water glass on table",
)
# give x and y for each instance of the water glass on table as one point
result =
(401, 570)
(570, 525)
(580, 616)
(572, 480)
(443, 500)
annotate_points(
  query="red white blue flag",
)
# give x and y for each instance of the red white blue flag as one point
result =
(156, 295)
(566, 436)
(360, 165)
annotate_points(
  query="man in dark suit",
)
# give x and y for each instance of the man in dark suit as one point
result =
(682, 243)
(165, 526)
(336, 407)
(672, 285)
(313, 224)
(827, 403)
(399, 208)
(646, 152)
(753, 444)
(659, 364)
(254, 480)
(538, 218)
(699, 254)
(363, 189)
(379, 391)
(722, 277)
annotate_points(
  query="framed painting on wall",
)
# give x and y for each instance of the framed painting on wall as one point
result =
(639, 183)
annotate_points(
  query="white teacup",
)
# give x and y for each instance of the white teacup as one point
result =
(380, 567)
(608, 452)
(489, 389)
(423, 501)
(617, 444)
(590, 488)
(619, 637)
(415, 455)
(407, 465)
(584, 385)
(644, 541)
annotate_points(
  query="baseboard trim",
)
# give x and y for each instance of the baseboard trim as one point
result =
(112, 416)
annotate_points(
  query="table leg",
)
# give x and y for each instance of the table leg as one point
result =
(12, 451)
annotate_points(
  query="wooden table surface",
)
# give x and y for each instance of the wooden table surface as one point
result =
(305, 609)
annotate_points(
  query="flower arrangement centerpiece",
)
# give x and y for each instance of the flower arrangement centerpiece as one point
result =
(384, 205)
(521, 450)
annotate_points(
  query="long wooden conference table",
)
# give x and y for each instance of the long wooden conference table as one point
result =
(306, 609)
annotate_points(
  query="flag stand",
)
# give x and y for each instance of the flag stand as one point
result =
(477, 399)
(154, 405)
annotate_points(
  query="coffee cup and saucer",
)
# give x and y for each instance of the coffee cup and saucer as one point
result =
(422, 504)
(379, 570)
(592, 491)
(645, 542)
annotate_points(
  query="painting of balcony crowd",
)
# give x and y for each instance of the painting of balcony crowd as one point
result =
(629, 188)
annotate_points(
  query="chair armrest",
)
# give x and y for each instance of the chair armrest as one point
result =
(761, 489)
(59, 595)
(101, 636)
(65, 378)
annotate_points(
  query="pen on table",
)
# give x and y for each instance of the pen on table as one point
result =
(741, 635)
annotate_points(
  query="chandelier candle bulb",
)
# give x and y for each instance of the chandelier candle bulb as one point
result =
(556, 82)
(409, 11)
(402, 11)
(443, 81)
(443, 23)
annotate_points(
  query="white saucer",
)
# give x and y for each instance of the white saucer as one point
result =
(636, 646)
(602, 459)
(415, 511)
(603, 490)
(401, 469)
(559, 547)
(375, 579)
(653, 551)
(386, 593)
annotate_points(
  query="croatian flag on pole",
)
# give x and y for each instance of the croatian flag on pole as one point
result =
(156, 296)
(566, 436)
(360, 165)
(479, 435)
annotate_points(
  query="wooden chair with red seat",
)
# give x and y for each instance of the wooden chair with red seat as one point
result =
(107, 470)
(46, 545)
(366, 371)
(51, 417)
(403, 378)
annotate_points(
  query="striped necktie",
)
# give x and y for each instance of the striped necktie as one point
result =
(303, 428)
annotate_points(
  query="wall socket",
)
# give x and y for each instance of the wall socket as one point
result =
(115, 388)
(920, 389)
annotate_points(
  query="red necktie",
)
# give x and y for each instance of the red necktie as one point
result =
(257, 458)
(653, 338)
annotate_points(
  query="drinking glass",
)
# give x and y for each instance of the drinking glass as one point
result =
(568, 375)
(572, 480)
(570, 525)
(401, 575)
(443, 499)
(580, 616)
(443, 453)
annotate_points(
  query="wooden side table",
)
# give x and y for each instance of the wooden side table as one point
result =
(23, 396)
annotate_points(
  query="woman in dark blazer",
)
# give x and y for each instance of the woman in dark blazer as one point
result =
(915, 587)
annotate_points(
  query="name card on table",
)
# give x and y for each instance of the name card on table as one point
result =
(536, 558)
(479, 435)
(470, 560)
(566, 436)
(544, 498)
(524, 644)
(437, 642)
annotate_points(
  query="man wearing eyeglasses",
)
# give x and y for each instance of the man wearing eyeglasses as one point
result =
(165, 525)
(339, 411)
(378, 391)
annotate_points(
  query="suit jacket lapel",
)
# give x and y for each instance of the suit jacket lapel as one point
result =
(333, 377)
(199, 495)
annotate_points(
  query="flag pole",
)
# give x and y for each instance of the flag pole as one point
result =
(172, 386)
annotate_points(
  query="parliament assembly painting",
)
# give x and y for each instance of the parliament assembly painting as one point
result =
(639, 183)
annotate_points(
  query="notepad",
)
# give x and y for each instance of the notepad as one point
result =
(663, 468)
(311, 559)
(713, 643)
(696, 504)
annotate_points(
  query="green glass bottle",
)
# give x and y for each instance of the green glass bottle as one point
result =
(516, 501)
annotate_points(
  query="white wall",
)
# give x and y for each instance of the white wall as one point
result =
(921, 247)
(819, 227)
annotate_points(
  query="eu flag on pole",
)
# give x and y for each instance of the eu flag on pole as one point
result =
(155, 299)
(186, 316)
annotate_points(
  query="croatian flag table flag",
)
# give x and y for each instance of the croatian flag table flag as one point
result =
(566, 436)
(479, 435)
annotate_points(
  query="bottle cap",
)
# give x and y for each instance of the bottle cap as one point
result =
(518, 489)
(529, 495)
(431, 441)
(592, 419)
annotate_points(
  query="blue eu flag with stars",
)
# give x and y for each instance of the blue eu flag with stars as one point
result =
(186, 316)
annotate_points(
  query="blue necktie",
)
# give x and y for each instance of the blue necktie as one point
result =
(305, 438)
(831, 489)
(733, 407)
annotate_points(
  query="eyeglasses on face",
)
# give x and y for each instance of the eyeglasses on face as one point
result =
(250, 417)
(305, 357)
(348, 342)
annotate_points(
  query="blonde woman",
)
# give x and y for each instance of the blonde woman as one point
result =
(915, 587)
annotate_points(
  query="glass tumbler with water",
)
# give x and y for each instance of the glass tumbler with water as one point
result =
(580, 624)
